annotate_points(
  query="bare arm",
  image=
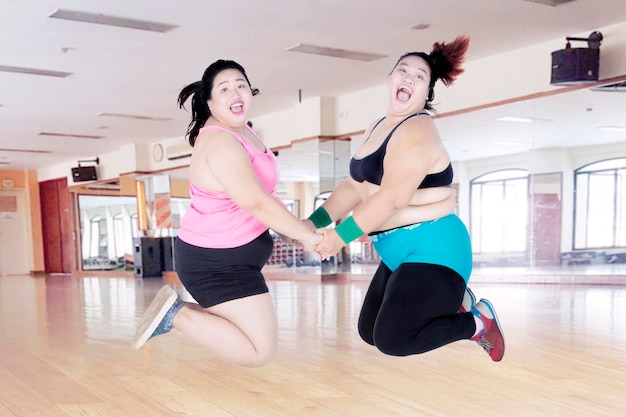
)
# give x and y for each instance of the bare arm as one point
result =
(414, 151)
(347, 195)
(230, 166)
(344, 198)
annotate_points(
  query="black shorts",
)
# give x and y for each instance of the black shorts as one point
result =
(213, 276)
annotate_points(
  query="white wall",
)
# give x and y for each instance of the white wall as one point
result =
(515, 74)
(506, 76)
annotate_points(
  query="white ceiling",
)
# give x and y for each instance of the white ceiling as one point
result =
(119, 70)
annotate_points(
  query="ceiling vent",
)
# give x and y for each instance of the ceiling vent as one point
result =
(113, 185)
(550, 2)
(619, 87)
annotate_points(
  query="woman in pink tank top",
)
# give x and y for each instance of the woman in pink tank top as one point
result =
(224, 238)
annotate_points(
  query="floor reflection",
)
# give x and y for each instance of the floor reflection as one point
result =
(562, 340)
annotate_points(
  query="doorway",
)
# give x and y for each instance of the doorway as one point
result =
(15, 245)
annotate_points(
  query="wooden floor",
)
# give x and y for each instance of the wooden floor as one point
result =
(64, 351)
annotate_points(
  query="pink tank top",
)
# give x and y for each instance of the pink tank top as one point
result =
(213, 220)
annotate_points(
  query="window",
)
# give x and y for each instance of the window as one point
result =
(600, 205)
(134, 225)
(119, 231)
(499, 212)
(97, 239)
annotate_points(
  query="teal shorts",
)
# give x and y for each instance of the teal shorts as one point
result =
(444, 241)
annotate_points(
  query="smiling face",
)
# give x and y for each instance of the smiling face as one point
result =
(230, 98)
(408, 85)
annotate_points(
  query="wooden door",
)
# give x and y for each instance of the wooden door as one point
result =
(55, 223)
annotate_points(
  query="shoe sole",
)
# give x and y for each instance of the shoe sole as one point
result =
(495, 318)
(157, 309)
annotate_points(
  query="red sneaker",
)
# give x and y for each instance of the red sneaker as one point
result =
(491, 338)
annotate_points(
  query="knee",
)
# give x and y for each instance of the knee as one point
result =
(262, 358)
(392, 344)
(390, 348)
(366, 335)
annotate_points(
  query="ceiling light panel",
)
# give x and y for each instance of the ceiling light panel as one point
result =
(515, 119)
(69, 135)
(34, 71)
(612, 128)
(133, 116)
(23, 150)
(108, 20)
(334, 52)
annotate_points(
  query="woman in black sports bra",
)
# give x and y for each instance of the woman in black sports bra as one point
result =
(399, 193)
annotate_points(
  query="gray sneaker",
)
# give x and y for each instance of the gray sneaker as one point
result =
(158, 317)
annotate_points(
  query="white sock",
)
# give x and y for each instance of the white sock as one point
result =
(480, 326)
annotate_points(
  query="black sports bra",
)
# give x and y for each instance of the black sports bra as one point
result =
(370, 168)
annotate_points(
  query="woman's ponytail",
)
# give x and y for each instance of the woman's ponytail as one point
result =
(200, 112)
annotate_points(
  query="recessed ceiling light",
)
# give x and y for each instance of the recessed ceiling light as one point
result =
(34, 71)
(612, 128)
(500, 142)
(108, 20)
(69, 135)
(514, 119)
(334, 52)
(132, 116)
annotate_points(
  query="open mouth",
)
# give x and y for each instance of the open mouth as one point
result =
(237, 107)
(403, 94)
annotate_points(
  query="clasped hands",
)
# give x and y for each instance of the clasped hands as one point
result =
(325, 242)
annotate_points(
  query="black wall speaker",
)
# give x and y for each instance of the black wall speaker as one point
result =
(84, 174)
(571, 66)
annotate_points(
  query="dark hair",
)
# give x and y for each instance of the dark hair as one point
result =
(445, 61)
(201, 92)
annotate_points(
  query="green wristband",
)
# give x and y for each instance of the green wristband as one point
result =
(320, 218)
(348, 230)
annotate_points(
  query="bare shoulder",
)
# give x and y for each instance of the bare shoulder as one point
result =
(212, 144)
(420, 124)
(367, 133)
(417, 131)
(215, 138)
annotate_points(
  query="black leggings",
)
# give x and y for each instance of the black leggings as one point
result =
(414, 309)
